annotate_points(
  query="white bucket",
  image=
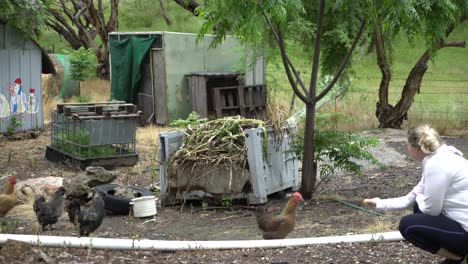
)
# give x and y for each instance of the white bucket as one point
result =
(144, 206)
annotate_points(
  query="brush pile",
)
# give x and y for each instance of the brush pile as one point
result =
(215, 142)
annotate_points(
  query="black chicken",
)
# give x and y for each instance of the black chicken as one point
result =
(87, 219)
(48, 213)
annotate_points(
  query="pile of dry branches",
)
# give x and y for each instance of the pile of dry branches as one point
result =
(216, 142)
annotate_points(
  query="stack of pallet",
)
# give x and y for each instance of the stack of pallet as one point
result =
(114, 109)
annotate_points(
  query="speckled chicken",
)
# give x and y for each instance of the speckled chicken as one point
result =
(278, 226)
(87, 219)
(48, 213)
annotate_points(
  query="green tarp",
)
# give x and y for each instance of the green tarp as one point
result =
(127, 56)
(69, 86)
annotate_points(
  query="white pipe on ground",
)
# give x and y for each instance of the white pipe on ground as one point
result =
(172, 245)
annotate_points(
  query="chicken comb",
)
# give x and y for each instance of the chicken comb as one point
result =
(297, 195)
(12, 179)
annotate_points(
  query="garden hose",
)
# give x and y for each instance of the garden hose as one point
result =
(363, 209)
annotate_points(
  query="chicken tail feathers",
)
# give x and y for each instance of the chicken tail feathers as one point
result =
(38, 203)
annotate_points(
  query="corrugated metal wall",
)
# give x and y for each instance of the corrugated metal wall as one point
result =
(20, 82)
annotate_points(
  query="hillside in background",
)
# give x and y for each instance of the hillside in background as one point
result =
(444, 88)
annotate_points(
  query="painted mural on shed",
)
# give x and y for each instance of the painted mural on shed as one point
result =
(21, 64)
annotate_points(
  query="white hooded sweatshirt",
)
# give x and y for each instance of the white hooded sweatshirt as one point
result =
(443, 188)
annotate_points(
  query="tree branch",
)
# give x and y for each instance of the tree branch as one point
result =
(458, 44)
(343, 65)
(163, 11)
(189, 5)
(286, 61)
(315, 59)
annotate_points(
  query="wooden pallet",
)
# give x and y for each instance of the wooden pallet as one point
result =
(117, 109)
(248, 101)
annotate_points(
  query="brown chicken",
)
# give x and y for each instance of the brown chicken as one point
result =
(279, 226)
(8, 199)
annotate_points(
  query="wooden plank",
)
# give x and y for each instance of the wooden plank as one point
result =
(217, 103)
(127, 116)
(159, 87)
(240, 91)
(93, 103)
(198, 95)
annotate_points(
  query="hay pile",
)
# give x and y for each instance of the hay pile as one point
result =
(51, 85)
(213, 157)
(216, 142)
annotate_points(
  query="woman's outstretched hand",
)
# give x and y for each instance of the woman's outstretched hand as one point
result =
(372, 201)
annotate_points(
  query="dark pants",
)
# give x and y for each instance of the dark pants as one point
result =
(431, 233)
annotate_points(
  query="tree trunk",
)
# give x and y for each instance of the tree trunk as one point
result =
(80, 21)
(393, 117)
(309, 166)
(383, 108)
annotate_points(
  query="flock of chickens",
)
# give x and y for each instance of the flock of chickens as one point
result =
(88, 219)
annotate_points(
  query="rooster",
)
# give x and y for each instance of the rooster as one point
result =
(87, 219)
(279, 226)
(8, 199)
(48, 213)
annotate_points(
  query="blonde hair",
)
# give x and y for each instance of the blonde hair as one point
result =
(425, 138)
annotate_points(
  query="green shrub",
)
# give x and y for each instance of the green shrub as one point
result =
(15, 123)
(82, 63)
(77, 144)
(335, 149)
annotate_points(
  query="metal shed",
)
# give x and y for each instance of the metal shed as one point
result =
(21, 64)
(178, 76)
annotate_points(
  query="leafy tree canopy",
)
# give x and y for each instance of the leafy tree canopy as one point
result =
(27, 16)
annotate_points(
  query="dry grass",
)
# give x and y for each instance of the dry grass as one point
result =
(326, 197)
(148, 135)
(94, 90)
(98, 90)
(380, 224)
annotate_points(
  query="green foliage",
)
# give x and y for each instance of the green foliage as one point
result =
(334, 149)
(77, 143)
(205, 206)
(138, 13)
(227, 202)
(8, 226)
(15, 123)
(146, 15)
(25, 16)
(82, 63)
(245, 19)
(83, 98)
(193, 119)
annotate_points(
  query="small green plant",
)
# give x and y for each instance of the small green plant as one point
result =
(32, 161)
(83, 98)
(81, 63)
(77, 144)
(154, 165)
(90, 246)
(227, 202)
(204, 206)
(335, 149)
(193, 119)
(8, 227)
(15, 123)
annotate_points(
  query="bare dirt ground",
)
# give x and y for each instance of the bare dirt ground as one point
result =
(323, 216)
